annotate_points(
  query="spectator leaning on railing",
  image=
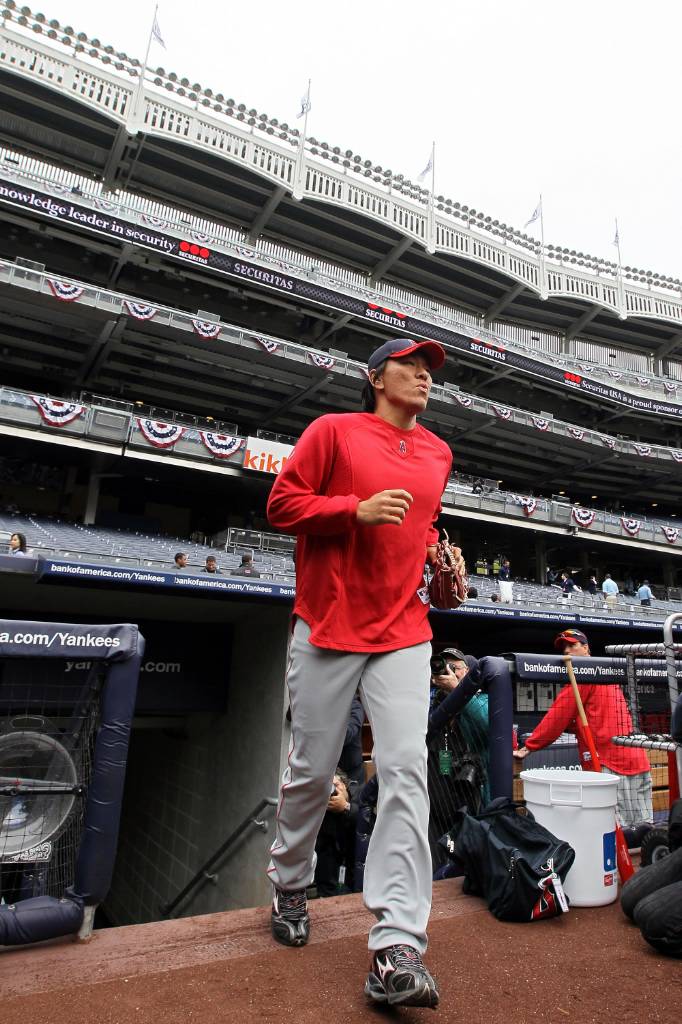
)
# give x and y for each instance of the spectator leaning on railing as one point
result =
(645, 594)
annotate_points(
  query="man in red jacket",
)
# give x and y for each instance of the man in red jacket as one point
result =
(362, 492)
(607, 715)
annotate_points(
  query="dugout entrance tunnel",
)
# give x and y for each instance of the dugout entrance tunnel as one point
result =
(63, 755)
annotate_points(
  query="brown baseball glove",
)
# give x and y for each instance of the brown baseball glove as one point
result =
(448, 584)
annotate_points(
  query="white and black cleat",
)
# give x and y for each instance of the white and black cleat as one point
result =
(398, 977)
(290, 921)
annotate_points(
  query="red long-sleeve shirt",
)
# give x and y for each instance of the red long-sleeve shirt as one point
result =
(357, 586)
(607, 715)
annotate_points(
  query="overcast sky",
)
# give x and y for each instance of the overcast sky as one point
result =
(579, 101)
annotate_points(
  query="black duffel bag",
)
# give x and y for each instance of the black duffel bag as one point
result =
(510, 860)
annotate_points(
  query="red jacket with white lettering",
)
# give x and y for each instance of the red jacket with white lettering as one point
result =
(361, 588)
(607, 715)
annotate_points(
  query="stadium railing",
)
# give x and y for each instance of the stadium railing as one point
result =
(117, 426)
(633, 367)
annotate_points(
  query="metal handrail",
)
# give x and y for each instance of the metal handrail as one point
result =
(204, 872)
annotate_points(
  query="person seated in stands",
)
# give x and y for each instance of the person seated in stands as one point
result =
(477, 487)
(181, 559)
(17, 544)
(472, 593)
(607, 716)
(335, 844)
(211, 566)
(247, 567)
(645, 594)
(495, 598)
(610, 591)
(457, 755)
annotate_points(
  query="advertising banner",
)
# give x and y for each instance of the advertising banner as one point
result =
(53, 569)
(266, 456)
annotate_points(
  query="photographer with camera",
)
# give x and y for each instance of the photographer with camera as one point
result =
(335, 844)
(457, 768)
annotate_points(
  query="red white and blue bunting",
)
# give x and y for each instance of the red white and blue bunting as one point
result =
(577, 433)
(670, 386)
(610, 442)
(58, 414)
(540, 423)
(502, 412)
(140, 310)
(221, 445)
(249, 253)
(676, 455)
(643, 450)
(106, 204)
(205, 329)
(529, 505)
(464, 400)
(156, 222)
(324, 362)
(64, 290)
(616, 374)
(201, 236)
(268, 344)
(671, 533)
(643, 382)
(161, 435)
(584, 517)
(631, 526)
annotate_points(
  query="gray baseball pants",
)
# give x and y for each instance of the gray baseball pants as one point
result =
(394, 689)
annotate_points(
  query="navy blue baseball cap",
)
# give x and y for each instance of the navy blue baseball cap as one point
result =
(399, 347)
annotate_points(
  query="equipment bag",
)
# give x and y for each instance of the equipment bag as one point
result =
(510, 860)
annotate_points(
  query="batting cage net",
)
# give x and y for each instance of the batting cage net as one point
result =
(469, 742)
(48, 723)
(458, 768)
(67, 698)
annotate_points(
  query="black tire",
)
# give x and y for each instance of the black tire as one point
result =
(659, 918)
(650, 879)
(654, 846)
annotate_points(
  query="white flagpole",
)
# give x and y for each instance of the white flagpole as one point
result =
(300, 159)
(149, 42)
(616, 240)
(143, 69)
(432, 208)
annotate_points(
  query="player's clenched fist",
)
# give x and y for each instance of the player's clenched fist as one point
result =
(385, 507)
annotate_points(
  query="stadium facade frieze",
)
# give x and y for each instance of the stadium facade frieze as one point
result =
(241, 263)
(160, 107)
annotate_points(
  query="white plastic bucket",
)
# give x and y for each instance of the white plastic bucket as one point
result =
(579, 807)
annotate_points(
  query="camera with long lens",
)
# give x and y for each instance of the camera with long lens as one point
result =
(439, 665)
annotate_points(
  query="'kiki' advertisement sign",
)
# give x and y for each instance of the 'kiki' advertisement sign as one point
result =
(266, 456)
